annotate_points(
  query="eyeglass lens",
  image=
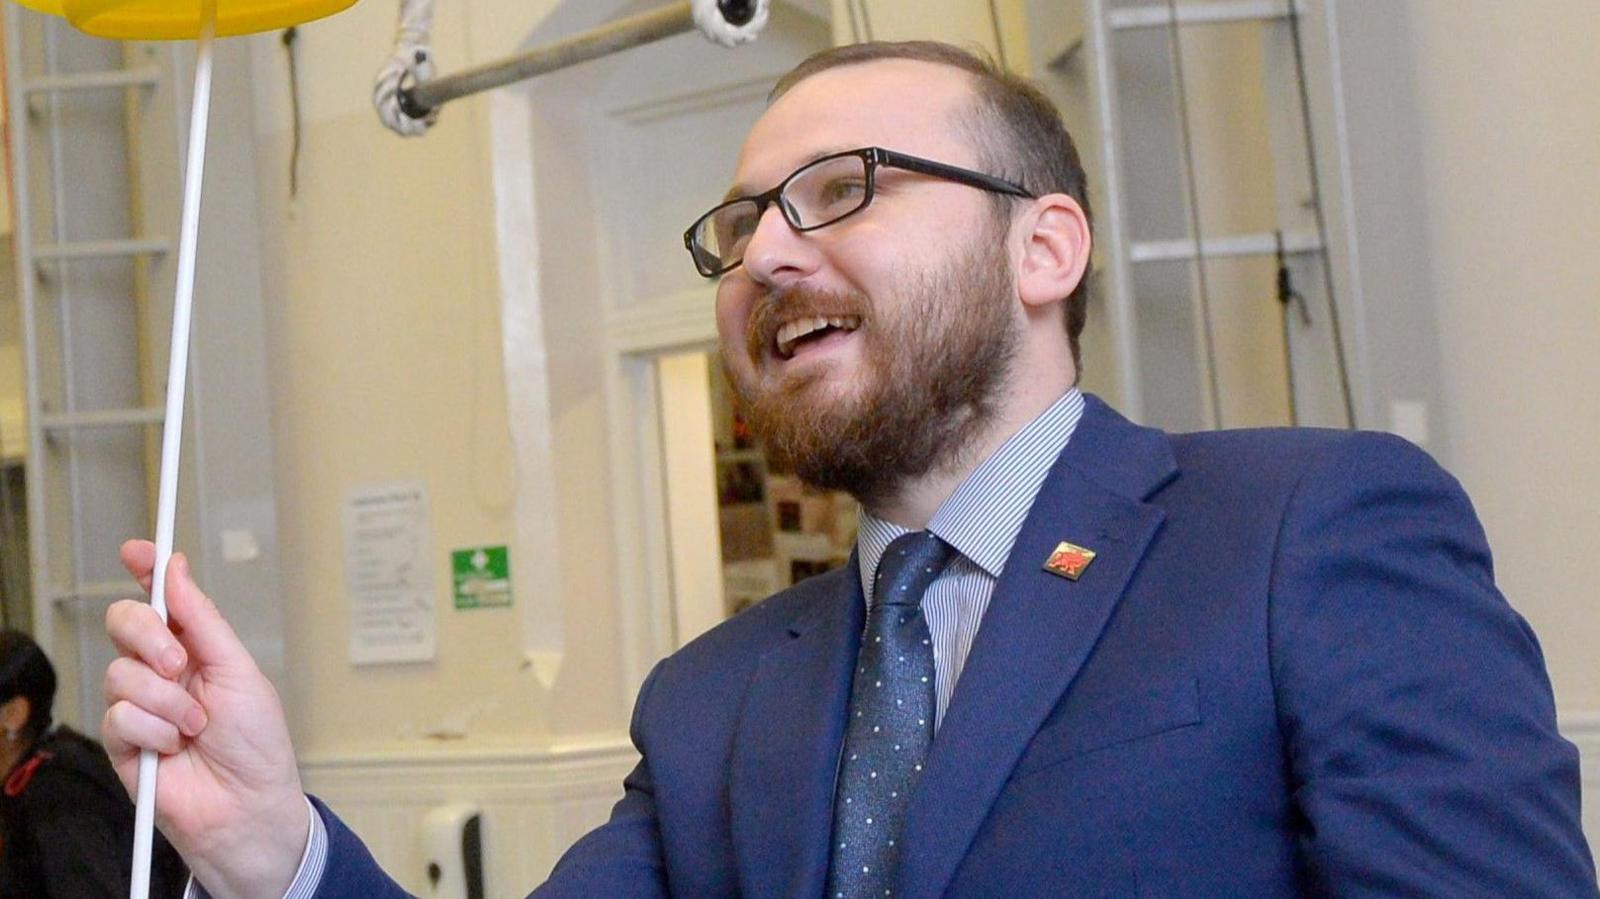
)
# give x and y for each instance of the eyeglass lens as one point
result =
(819, 194)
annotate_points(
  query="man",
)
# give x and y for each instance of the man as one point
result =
(1234, 664)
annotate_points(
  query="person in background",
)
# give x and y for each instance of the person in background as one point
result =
(66, 825)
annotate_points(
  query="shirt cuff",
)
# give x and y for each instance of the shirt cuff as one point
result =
(312, 863)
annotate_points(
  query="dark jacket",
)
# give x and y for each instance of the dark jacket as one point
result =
(66, 827)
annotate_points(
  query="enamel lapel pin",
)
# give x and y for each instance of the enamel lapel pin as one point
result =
(1069, 560)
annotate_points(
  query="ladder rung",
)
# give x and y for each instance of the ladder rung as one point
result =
(1219, 247)
(103, 249)
(101, 418)
(90, 81)
(90, 590)
(1159, 15)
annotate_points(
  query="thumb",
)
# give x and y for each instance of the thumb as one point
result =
(195, 620)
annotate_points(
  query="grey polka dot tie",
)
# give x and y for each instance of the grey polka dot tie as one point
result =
(891, 720)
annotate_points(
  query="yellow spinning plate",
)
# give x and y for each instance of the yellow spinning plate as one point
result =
(163, 20)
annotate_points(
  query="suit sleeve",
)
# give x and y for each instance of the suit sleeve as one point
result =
(350, 871)
(620, 858)
(1419, 718)
(623, 856)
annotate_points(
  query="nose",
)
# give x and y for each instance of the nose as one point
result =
(777, 255)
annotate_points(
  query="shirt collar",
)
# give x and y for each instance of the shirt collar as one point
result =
(982, 518)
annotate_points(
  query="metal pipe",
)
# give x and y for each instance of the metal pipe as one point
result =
(1120, 298)
(1339, 356)
(1207, 339)
(612, 37)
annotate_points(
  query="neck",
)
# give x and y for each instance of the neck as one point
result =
(914, 503)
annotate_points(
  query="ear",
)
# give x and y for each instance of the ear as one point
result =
(1055, 247)
(14, 714)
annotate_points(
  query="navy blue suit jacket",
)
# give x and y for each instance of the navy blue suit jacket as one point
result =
(1286, 672)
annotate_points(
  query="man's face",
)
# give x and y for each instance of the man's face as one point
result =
(869, 352)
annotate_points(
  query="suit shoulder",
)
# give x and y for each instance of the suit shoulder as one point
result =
(1276, 471)
(1293, 451)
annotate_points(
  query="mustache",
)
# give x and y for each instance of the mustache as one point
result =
(776, 308)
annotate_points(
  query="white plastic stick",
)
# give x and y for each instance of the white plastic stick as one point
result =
(172, 429)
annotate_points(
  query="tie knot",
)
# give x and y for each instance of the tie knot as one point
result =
(908, 566)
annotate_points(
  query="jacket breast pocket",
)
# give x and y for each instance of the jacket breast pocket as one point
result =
(1137, 716)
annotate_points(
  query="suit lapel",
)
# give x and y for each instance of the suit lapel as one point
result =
(786, 750)
(1037, 633)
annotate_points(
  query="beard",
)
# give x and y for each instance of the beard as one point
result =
(935, 361)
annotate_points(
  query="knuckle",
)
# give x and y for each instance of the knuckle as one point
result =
(122, 616)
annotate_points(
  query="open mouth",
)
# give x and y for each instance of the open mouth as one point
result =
(802, 332)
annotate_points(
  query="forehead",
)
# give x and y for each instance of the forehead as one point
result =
(899, 104)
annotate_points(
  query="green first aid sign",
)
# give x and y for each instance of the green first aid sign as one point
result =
(482, 577)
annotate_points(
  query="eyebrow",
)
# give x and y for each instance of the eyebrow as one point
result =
(738, 192)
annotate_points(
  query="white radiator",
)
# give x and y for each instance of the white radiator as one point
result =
(535, 804)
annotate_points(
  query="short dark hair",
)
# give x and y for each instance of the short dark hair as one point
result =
(1018, 132)
(26, 672)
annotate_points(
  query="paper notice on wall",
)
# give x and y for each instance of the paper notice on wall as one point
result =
(388, 546)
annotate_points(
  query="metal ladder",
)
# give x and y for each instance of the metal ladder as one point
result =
(85, 115)
(1298, 242)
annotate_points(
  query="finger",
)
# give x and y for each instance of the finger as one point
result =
(205, 632)
(139, 557)
(133, 681)
(137, 631)
(129, 729)
(124, 756)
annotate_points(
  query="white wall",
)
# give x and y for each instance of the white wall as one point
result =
(386, 364)
(1511, 151)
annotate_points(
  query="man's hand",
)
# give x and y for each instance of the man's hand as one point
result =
(228, 794)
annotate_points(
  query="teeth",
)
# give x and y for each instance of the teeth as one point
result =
(800, 327)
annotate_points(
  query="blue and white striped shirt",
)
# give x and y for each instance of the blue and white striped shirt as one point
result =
(981, 520)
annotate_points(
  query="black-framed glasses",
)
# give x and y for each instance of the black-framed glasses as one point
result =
(816, 195)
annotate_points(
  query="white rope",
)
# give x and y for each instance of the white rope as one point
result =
(718, 30)
(172, 424)
(411, 62)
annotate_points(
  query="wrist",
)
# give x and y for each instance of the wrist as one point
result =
(261, 862)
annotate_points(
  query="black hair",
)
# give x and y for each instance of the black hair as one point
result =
(26, 672)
